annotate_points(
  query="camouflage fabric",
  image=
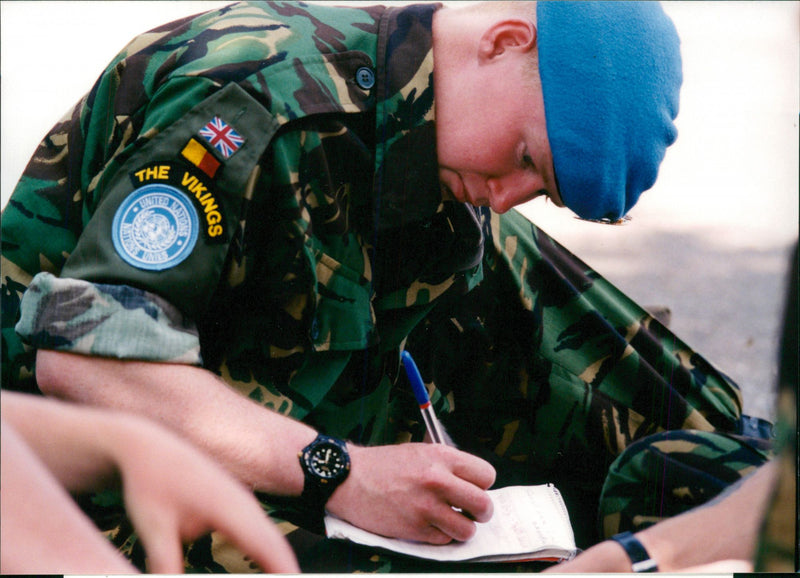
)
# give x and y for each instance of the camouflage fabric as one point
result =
(312, 245)
(779, 544)
(779, 547)
(681, 469)
(552, 372)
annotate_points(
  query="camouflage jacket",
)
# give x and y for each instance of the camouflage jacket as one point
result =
(219, 196)
(295, 256)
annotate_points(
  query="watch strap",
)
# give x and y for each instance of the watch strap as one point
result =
(640, 559)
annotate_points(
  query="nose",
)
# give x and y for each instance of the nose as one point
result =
(519, 182)
(519, 186)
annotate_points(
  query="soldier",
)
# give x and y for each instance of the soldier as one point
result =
(254, 210)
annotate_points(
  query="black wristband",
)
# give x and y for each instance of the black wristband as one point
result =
(640, 559)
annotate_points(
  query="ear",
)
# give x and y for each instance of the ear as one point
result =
(510, 34)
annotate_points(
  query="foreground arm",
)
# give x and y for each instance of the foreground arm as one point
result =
(173, 493)
(401, 491)
(682, 542)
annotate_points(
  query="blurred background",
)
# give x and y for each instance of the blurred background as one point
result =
(710, 240)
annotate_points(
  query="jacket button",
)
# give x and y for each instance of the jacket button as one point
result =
(365, 78)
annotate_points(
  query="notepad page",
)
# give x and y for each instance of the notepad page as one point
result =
(526, 520)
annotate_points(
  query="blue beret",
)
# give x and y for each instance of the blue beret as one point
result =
(611, 77)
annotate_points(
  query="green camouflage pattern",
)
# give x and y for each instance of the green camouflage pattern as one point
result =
(667, 465)
(97, 313)
(779, 545)
(552, 372)
(334, 251)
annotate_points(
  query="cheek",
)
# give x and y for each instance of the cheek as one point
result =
(479, 149)
(487, 154)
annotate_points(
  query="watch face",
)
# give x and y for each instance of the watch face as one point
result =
(327, 460)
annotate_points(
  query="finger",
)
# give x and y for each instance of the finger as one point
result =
(272, 553)
(157, 529)
(472, 502)
(164, 552)
(454, 524)
(245, 524)
(265, 545)
(473, 469)
(433, 535)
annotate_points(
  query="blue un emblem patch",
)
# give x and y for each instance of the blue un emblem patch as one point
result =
(155, 228)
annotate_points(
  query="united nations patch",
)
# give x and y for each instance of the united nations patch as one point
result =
(155, 228)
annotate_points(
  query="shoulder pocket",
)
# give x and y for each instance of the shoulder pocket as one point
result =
(166, 218)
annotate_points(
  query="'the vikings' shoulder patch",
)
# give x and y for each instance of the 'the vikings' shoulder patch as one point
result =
(196, 186)
(155, 228)
(158, 224)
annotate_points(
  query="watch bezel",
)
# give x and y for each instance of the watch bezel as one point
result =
(342, 468)
(339, 467)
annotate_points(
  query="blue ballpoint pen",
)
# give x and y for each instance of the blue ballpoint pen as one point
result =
(432, 424)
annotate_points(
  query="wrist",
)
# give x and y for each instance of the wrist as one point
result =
(342, 496)
(638, 556)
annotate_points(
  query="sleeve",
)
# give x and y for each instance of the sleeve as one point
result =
(88, 318)
(152, 252)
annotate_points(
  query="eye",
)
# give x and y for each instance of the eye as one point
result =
(526, 161)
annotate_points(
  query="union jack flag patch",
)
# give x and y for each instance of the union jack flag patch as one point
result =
(222, 137)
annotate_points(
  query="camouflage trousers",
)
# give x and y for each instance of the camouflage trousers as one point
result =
(553, 375)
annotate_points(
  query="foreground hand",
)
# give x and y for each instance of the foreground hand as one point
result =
(175, 494)
(43, 531)
(410, 491)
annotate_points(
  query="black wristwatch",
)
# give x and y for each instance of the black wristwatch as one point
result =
(325, 464)
(640, 559)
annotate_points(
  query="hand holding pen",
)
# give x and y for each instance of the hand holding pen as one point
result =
(432, 423)
(431, 493)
